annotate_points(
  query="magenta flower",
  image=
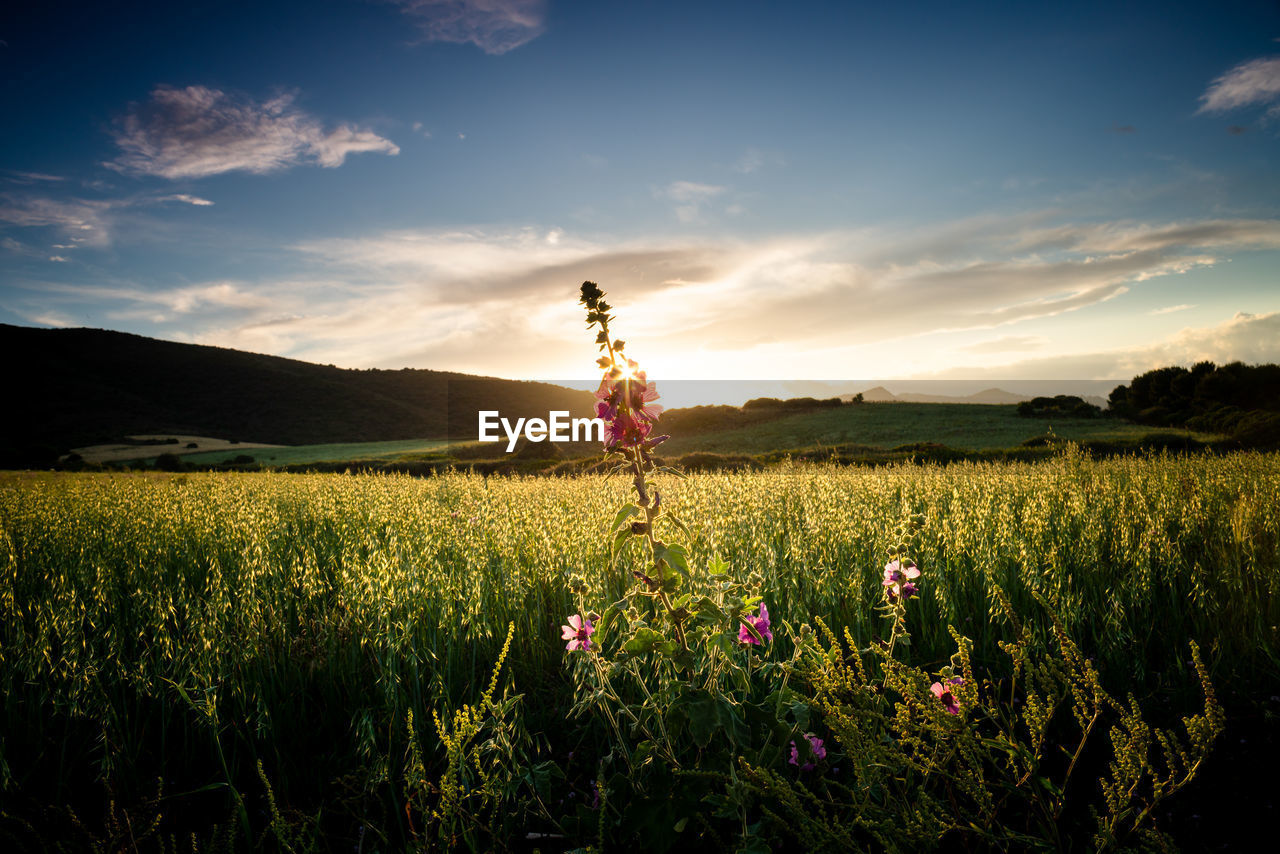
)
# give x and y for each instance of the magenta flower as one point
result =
(896, 580)
(626, 431)
(578, 633)
(815, 747)
(943, 693)
(629, 390)
(625, 404)
(761, 624)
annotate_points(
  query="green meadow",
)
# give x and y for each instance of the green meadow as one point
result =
(962, 426)
(325, 453)
(968, 428)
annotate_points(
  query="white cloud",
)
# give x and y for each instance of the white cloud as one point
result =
(494, 26)
(58, 258)
(690, 191)
(196, 132)
(167, 304)
(1251, 338)
(18, 177)
(1170, 309)
(1007, 344)
(1254, 82)
(794, 294)
(83, 222)
(503, 301)
(754, 159)
(51, 319)
(189, 199)
(690, 198)
(1245, 337)
(750, 161)
(17, 247)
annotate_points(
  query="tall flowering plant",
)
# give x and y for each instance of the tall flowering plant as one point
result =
(674, 669)
(626, 403)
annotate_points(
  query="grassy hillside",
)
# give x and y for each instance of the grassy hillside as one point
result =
(393, 450)
(868, 433)
(88, 386)
(890, 425)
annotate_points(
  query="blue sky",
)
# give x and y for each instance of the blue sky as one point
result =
(767, 190)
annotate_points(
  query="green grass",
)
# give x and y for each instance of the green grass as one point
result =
(972, 427)
(187, 627)
(889, 425)
(339, 452)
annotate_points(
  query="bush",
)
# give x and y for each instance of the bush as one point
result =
(170, 462)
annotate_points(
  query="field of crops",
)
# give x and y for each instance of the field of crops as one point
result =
(967, 426)
(237, 661)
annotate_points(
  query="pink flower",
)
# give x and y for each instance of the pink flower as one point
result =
(815, 747)
(625, 404)
(626, 431)
(578, 633)
(945, 696)
(761, 624)
(896, 580)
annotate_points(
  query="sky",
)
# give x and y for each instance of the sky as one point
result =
(766, 190)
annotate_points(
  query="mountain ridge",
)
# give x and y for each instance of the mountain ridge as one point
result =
(82, 386)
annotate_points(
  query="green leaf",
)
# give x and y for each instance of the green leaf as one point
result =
(800, 714)
(717, 566)
(644, 640)
(704, 718)
(620, 539)
(605, 623)
(675, 520)
(755, 633)
(627, 511)
(708, 611)
(681, 824)
(540, 776)
(683, 659)
(644, 750)
(677, 557)
(732, 721)
(722, 640)
(755, 845)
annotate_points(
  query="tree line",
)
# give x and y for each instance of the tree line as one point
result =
(1238, 400)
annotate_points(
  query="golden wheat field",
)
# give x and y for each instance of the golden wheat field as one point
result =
(195, 629)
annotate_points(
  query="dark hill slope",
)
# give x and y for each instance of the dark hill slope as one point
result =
(71, 387)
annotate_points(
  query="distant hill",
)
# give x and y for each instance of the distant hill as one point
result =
(990, 396)
(73, 387)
